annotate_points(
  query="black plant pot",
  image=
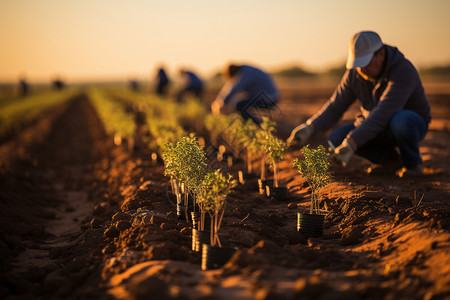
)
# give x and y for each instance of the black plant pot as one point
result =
(310, 225)
(243, 177)
(215, 257)
(200, 238)
(262, 185)
(196, 219)
(277, 193)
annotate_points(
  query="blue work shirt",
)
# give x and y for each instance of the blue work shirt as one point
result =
(194, 81)
(253, 82)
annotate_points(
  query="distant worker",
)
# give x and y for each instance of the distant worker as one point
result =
(58, 84)
(245, 87)
(192, 84)
(134, 85)
(23, 87)
(162, 82)
(395, 110)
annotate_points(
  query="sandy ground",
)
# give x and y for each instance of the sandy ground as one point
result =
(82, 218)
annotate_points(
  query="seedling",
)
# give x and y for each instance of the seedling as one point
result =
(185, 164)
(263, 137)
(246, 135)
(315, 169)
(216, 188)
(216, 125)
(274, 149)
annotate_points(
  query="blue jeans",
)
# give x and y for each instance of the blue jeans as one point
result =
(244, 105)
(405, 130)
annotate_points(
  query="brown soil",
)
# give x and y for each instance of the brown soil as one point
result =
(81, 218)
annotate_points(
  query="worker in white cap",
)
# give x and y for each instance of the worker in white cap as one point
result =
(395, 112)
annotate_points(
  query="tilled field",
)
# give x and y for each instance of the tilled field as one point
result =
(84, 219)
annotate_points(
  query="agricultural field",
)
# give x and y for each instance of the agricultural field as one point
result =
(88, 204)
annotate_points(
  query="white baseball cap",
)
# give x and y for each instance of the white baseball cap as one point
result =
(361, 48)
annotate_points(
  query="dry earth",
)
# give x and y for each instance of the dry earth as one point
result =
(81, 218)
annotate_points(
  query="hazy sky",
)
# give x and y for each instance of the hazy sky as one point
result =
(122, 38)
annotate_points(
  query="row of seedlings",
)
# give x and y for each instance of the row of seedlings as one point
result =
(201, 192)
(261, 142)
(17, 112)
(117, 122)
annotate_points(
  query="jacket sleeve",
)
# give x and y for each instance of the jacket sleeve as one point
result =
(339, 102)
(399, 88)
(239, 86)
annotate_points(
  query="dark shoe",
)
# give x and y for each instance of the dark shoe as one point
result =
(412, 172)
(384, 169)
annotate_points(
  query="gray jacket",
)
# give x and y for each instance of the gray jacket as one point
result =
(399, 88)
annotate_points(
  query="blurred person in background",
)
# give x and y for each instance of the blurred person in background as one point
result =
(192, 84)
(162, 82)
(245, 87)
(134, 85)
(58, 84)
(23, 87)
(395, 111)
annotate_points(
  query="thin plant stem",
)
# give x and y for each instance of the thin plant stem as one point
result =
(201, 225)
(275, 174)
(249, 161)
(263, 168)
(221, 216)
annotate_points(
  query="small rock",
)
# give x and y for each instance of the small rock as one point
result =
(144, 186)
(120, 216)
(111, 232)
(351, 236)
(399, 217)
(101, 208)
(157, 220)
(123, 225)
(96, 223)
(434, 245)
(391, 237)
(109, 249)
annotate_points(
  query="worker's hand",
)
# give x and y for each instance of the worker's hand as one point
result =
(343, 153)
(300, 135)
(216, 106)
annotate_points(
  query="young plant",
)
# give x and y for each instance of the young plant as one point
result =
(217, 125)
(185, 164)
(315, 169)
(216, 188)
(246, 135)
(262, 138)
(274, 148)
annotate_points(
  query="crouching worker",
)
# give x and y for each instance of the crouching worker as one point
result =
(395, 110)
(192, 84)
(246, 87)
